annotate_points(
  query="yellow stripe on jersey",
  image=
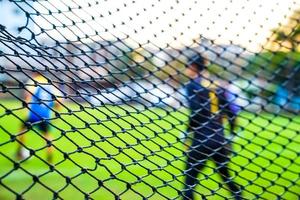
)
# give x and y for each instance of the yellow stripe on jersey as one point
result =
(214, 102)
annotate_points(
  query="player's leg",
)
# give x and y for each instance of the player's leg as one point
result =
(20, 154)
(221, 159)
(195, 163)
(191, 180)
(45, 127)
(49, 148)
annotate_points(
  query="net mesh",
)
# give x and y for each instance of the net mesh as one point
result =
(99, 99)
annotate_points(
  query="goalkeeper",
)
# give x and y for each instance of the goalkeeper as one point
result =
(41, 98)
(208, 105)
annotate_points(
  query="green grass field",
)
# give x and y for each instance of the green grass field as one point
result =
(119, 151)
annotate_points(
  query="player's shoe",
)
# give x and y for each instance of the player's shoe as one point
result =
(22, 154)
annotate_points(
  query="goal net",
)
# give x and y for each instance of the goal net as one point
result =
(149, 99)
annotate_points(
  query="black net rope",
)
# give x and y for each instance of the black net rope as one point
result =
(143, 100)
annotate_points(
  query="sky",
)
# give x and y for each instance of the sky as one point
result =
(176, 23)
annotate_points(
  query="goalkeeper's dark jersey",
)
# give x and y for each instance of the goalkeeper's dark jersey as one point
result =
(208, 105)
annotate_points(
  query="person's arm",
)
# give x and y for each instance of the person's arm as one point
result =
(230, 110)
(232, 120)
(191, 92)
(29, 91)
(184, 135)
(198, 97)
(58, 98)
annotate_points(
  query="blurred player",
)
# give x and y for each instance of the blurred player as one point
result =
(40, 98)
(208, 105)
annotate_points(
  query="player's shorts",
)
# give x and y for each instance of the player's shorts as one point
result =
(209, 136)
(206, 145)
(203, 153)
(44, 126)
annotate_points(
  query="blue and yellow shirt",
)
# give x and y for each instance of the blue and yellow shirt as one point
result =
(207, 103)
(41, 100)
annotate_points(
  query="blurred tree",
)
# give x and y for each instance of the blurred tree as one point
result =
(139, 63)
(280, 62)
(131, 65)
(287, 36)
(269, 65)
(171, 71)
(177, 71)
